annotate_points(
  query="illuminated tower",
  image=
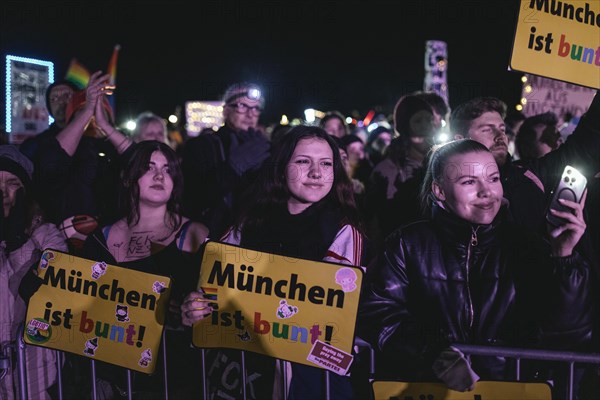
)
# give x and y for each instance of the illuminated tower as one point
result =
(436, 65)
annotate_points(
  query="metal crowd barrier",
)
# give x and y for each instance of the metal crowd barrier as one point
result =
(22, 373)
(518, 354)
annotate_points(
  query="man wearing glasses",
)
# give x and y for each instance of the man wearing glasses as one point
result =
(58, 96)
(218, 167)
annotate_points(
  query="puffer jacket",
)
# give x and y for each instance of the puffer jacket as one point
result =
(447, 281)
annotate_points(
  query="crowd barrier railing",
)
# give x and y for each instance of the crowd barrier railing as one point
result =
(517, 354)
(567, 357)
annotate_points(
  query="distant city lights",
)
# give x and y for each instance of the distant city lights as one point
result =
(203, 114)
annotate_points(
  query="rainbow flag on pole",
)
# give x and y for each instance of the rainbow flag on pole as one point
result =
(77, 74)
(112, 71)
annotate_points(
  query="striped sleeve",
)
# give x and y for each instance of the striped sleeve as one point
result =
(347, 247)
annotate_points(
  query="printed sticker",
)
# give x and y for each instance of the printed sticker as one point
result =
(98, 269)
(122, 313)
(45, 259)
(244, 337)
(210, 293)
(330, 358)
(285, 310)
(38, 330)
(346, 278)
(90, 347)
(159, 287)
(146, 358)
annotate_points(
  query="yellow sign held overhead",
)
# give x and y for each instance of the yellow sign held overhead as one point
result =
(559, 40)
(98, 310)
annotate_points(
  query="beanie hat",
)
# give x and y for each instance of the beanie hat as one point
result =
(244, 89)
(78, 101)
(13, 161)
(406, 107)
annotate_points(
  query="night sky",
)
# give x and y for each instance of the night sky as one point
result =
(323, 54)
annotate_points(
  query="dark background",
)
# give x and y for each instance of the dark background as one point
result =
(348, 56)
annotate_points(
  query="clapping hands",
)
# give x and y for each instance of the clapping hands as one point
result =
(97, 87)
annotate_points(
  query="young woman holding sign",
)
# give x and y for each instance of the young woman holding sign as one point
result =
(153, 237)
(302, 206)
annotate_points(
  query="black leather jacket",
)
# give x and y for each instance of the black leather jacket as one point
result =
(446, 281)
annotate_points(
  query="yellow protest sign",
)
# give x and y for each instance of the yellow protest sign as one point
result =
(559, 40)
(438, 391)
(98, 310)
(287, 308)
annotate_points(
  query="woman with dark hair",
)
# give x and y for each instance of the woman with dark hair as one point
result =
(466, 275)
(281, 189)
(302, 206)
(153, 237)
(152, 187)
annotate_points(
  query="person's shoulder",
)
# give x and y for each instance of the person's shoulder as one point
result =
(384, 165)
(196, 233)
(413, 230)
(203, 142)
(47, 231)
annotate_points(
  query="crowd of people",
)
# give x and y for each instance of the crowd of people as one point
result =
(453, 237)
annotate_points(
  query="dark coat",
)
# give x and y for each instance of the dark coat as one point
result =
(212, 187)
(446, 281)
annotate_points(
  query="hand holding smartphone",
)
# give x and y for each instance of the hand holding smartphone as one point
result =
(570, 187)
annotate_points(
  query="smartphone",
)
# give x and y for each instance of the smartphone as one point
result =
(570, 187)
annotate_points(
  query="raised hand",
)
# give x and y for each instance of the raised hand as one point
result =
(100, 116)
(564, 238)
(97, 86)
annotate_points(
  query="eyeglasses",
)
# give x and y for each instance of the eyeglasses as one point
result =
(64, 96)
(243, 108)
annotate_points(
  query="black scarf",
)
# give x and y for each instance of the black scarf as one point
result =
(307, 235)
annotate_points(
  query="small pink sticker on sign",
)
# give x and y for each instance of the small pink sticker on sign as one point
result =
(329, 357)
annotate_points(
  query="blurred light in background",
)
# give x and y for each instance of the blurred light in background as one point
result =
(309, 115)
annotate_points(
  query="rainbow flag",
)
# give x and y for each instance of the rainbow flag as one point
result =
(77, 74)
(112, 71)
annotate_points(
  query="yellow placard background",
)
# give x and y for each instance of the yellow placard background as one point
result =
(131, 344)
(550, 32)
(327, 323)
(483, 391)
